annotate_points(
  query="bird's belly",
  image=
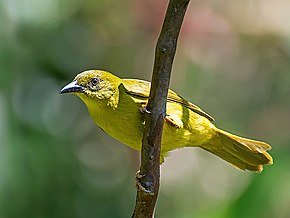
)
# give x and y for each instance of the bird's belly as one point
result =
(125, 127)
(128, 128)
(130, 132)
(131, 136)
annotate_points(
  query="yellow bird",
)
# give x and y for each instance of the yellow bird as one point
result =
(116, 104)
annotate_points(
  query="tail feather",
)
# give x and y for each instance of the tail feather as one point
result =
(245, 154)
(235, 161)
(253, 145)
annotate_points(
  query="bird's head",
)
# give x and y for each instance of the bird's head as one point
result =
(93, 84)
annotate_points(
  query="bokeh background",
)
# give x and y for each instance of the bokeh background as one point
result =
(233, 60)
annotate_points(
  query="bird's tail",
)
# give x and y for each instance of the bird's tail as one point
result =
(245, 154)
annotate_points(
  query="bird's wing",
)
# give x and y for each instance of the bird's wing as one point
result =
(141, 89)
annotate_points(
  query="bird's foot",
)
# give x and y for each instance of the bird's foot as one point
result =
(139, 186)
(143, 110)
(173, 122)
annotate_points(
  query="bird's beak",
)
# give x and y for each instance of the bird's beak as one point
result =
(72, 87)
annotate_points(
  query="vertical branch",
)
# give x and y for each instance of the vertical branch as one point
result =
(156, 107)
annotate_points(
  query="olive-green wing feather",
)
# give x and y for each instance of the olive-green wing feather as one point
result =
(141, 89)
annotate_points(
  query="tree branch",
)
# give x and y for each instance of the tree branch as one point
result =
(150, 155)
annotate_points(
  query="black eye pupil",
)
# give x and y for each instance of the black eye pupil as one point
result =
(95, 81)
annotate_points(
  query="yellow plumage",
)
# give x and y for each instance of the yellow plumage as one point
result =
(115, 103)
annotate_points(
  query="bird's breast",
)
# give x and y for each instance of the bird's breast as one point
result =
(126, 124)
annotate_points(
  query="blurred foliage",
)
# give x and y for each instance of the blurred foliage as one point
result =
(233, 61)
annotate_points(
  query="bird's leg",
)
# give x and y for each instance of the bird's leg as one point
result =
(170, 120)
(143, 108)
(139, 186)
(138, 176)
(173, 121)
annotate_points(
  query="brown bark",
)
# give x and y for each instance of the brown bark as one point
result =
(150, 155)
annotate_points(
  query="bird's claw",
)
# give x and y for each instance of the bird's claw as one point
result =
(139, 186)
(138, 175)
(144, 110)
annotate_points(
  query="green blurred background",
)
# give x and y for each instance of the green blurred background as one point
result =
(233, 60)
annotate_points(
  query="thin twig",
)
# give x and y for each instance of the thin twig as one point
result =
(150, 155)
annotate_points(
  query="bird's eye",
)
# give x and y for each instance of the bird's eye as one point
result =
(95, 81)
